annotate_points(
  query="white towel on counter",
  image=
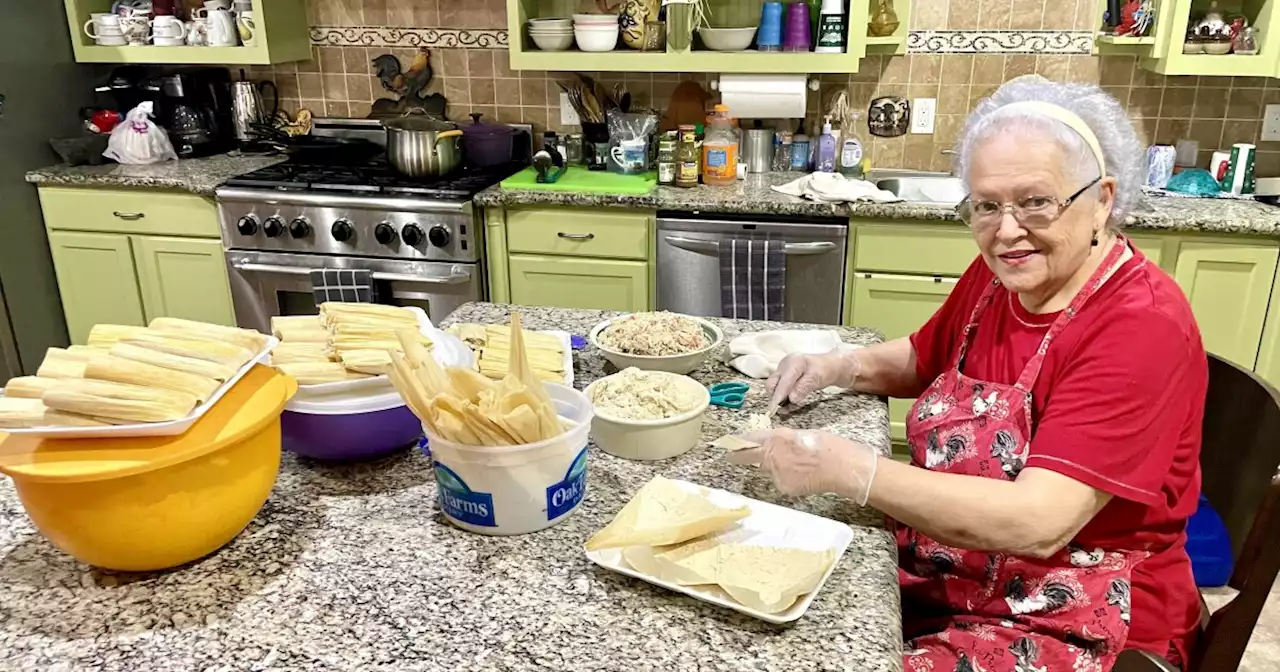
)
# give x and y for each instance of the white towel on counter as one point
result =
(835, 188)
(758, 354)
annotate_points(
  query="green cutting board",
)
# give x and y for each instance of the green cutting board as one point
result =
(583, 180)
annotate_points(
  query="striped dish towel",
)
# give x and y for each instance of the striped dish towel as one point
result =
(351, 286)
(753, 279)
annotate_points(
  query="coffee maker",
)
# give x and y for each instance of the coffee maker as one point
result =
(195, 108)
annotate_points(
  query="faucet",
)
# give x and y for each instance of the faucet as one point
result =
(950, 152)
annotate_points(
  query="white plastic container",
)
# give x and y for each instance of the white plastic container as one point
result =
(509, 490)
(652, 439)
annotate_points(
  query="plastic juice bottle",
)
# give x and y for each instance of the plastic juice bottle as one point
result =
(720, 150)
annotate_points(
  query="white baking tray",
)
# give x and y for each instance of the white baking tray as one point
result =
(768, 525)
(169, 428)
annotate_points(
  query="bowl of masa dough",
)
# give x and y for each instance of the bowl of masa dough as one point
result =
(647, 415)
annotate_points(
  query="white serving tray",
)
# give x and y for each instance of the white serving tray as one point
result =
(169, 428)
(768, 525)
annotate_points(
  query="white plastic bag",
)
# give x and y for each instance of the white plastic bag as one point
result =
(137, 140)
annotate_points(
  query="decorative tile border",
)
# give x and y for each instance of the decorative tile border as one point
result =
(446, 38)
(1000, 42)
(918, 42)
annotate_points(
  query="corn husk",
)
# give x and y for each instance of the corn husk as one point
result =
(107, 335)
(199, 367)
(84, 352)
(538, 359)
(372, 362)
(16, 412)
(246, 338)
(299, 329)
(118, 401)
(227, 354)
(54, 418)
(663, 513)
(335, 312)
(58, 363)
(316, 373)
(28, 387)
(120, 370)
(292, 352)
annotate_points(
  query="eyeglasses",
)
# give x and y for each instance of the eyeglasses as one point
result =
(1032, 212)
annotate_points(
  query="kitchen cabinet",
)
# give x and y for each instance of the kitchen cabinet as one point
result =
(282, 36)
(96, 280)
(601, 284)
(525, 55)
(185, 278)
(1161, 49)
(1229, 287)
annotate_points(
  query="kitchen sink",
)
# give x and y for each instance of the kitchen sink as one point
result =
(920, 186)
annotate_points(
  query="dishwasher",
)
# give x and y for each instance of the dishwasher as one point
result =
(689, 262)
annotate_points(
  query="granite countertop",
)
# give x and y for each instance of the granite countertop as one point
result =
(351, 567)
(754, 196)
(198, 176)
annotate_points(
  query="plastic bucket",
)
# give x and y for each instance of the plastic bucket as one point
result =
(507, 490)
(349, 428)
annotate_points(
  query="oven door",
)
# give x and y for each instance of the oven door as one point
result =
(267, 284)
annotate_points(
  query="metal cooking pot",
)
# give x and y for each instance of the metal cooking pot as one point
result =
(419, 146)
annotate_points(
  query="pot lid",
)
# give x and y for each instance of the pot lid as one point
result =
(418, 122)
(483, 128)
(256, 400)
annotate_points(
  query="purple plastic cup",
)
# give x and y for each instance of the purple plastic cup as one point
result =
(796, 30)
(359, 428)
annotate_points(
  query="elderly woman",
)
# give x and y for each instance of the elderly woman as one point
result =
(1055, 437)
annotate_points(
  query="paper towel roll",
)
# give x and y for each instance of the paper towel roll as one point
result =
(764, 96)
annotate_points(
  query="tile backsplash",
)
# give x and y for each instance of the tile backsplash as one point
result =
(961, 50)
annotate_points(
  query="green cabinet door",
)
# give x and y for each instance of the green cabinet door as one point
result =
(183, 277)
(96, 280)
(897, 305)
(567, 282)
(1229, 287)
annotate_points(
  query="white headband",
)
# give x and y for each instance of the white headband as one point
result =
(1071, 119)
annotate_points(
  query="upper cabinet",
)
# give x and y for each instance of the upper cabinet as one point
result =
(670, 55)
(1167, 49)
(279, 29)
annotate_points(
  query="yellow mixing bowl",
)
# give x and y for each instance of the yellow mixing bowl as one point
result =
(148, 503)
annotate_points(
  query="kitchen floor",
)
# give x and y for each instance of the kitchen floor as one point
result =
(1264, 647)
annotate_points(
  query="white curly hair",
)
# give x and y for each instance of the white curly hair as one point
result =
(1123, 150)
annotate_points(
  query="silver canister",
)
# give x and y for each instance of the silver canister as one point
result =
(757, 150)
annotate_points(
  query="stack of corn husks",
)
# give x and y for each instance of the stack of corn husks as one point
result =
(129, 375)
(492, 345)
(345, 341)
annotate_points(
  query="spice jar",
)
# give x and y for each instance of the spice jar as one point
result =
(668, 146)
(687, 158)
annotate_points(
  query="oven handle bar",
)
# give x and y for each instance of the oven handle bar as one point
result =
(453, 279)
(711, 247)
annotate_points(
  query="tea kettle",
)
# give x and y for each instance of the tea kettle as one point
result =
(247, 109)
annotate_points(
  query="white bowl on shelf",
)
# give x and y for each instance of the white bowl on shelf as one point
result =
(651, 439)
(551, 23)
(595, 19)
(596, 40)
(552, 41)
(727, 39)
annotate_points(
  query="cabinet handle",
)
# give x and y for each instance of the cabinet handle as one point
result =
(576, 236)
(129, 216)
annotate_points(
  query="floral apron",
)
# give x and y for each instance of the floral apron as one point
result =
(972, 611)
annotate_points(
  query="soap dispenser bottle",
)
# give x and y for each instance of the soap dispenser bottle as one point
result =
(851, 151)
(826, 158)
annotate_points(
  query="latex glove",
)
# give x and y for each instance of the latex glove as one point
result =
(799, 376)
(808, 462)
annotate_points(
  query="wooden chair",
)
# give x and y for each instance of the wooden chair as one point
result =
(1239, 459)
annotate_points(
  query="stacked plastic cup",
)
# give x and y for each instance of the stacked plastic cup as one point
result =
(769, 37)
(796, 35)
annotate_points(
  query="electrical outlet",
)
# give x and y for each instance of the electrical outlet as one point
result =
(568, 115)
(1271, 124)
(922, 113)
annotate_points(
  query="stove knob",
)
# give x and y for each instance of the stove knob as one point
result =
(439, 236)
(247, 226)
(384, 233)
(273, 227)
(412, 235)
(299, 228)
(342, 231)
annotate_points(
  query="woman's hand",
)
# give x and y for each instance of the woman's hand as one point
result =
(809, 462)
(799, 376)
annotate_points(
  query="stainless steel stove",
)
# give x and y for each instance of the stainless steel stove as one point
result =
(420, 239)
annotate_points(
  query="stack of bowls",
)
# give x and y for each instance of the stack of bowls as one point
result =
(551, 34)
(596, 32)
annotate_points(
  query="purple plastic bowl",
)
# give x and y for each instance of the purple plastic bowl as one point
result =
(334, 434)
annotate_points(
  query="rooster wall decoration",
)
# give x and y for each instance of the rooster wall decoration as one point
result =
(410, 85)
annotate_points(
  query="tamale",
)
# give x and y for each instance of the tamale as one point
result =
(103, 399)
(54, 418)
(246, 338)
(199, 367)
(315, 373)
(539, 359)
(84, 352)
(58, 363)
(290, 352)
(373, 362)
(28, 387)
(298, 327)
(220, 352)
(18, 412)
(107, 335)
(120, 370)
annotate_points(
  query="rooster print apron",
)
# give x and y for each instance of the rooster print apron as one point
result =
(972, 611)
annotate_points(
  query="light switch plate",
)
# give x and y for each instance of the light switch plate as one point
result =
(1271, 124)
(922, 113)
(568, 115)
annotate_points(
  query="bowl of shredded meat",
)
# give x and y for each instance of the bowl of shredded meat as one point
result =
(647, 415)
(659, 341)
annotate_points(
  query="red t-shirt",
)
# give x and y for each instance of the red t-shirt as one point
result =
(1117, 406)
